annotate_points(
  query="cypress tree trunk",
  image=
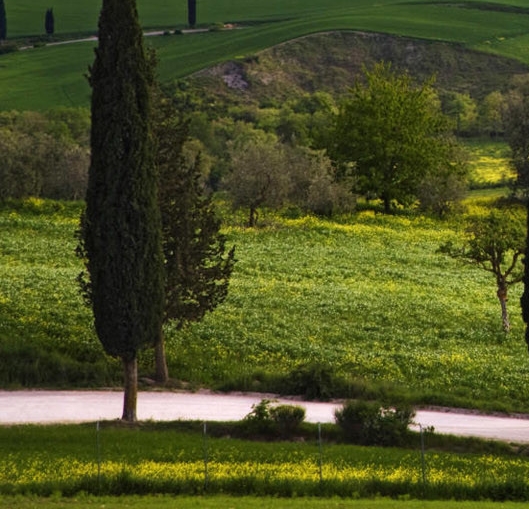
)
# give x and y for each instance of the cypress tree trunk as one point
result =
(120, 234)
(162, 372)
(130, 397)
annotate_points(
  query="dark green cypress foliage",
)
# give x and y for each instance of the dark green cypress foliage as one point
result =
(121, 228)
(49, 22)
(191, 12)
(197, 264)
(3, 21)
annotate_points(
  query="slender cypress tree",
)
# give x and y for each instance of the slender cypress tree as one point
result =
(197, 265)
(120, 235)
(49, 22)
(191, 12)
(3, 21)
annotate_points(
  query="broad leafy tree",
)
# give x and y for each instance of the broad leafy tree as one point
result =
(120, 234)
(197, 264)
(191, 12)
(43, 155)
(496, 244)
(49, 22)
(258, 176)
(3, 21)
(516, 122)
(389, 134)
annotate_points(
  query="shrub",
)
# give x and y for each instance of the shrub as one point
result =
(8, 47)
(314, 381)
(370, 424)
(272, 420)
(287, 417)
(259, 419)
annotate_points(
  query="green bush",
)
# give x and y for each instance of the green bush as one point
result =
(313, 381)
(368, 423)
(287, 417)
(265, 419)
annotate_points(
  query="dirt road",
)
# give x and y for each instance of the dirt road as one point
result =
(19, 407)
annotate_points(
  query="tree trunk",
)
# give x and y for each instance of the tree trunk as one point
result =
(162, 373)
(524, 300)
(502, 297)
(387, 203)
(252, 218)
(130, 371)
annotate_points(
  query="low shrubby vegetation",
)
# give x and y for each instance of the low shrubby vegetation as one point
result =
(370, 424)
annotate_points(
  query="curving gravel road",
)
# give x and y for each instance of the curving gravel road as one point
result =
(22, 407)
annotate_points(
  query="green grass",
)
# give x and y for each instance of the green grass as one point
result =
(368, 296)
(30, 82)
(225, 502)
(81, 460)
(489, 163)
(372, 299)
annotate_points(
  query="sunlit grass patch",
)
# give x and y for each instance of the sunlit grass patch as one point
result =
(489, 163)
(51, 460)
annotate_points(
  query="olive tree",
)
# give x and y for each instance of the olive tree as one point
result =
(496, 244)
(258, 176)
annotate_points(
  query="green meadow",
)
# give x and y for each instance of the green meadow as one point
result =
(45, 77)
(366, 297)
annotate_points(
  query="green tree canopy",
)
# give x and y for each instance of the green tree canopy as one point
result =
(258, 176)
(389, 134)
(516, 118)
(495, 243)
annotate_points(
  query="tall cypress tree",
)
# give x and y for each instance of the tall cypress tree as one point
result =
(120, 235)
(49, 22)
(3, 21)
(197, 264)
(191, 12)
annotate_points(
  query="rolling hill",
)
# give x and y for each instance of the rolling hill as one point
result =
(44, 77)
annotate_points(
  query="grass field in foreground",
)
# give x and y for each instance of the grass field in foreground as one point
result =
(169, 458)
(224, 502)
(33, 82)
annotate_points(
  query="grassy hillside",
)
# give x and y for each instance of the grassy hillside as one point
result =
(368, 298)
(295, 68)
(499, 28)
